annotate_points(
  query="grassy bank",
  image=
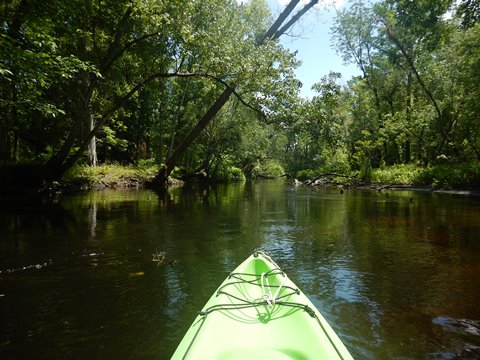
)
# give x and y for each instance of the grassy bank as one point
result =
(85, 177)
(109, 176)
(447, 177)
(461, 176)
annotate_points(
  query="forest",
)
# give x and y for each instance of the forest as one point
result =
(205, 87)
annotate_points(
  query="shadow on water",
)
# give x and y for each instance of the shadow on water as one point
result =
(395, 273)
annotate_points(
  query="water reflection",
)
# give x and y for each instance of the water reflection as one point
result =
(394, 272)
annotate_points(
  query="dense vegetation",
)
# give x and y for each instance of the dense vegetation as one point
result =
(205, 87)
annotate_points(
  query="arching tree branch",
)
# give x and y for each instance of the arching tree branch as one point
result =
(274, 32)
(412, 66)
(229, 89)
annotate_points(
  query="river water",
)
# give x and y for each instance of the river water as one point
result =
(395, 273)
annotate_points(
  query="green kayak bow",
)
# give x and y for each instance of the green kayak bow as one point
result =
(259, 313)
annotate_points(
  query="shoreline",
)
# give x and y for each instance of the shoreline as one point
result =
(79, 185)
(137, 183)
(416, 188)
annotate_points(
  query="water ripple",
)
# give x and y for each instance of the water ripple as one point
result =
(28, 267)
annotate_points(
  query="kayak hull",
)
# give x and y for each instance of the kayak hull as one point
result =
(259, 313)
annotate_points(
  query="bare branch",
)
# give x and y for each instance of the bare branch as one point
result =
(281, 18)
(101, 122)
(294, 18)
(410, 62)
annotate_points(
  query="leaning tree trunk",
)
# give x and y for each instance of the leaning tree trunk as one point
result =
(274, 32)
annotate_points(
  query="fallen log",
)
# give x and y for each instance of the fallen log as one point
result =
(329, 174)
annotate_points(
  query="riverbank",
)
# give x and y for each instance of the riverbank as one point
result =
(27, 179)
(397, 187)
(461, 180)
(105, 176)
(342, 186)
(110, 176)
(440, 179)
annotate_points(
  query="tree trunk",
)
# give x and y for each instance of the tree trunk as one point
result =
(162, 177)
(4, 147)
(274, 32)
(62, 160)
(175, 121)
(81, 133)
(92, 147)
(160, 131)
(16, 146)
(408, 117)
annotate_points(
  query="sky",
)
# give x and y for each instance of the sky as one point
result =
(312, 41)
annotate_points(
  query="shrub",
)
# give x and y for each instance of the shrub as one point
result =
(306, 174)
(396, 174)
(366, 172)
(336, 161)
(271, 168)
(450, 176)
(229, 174)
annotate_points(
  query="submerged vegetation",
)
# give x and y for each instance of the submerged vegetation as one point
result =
(205, 90)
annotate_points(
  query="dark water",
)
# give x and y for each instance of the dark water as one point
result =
(395, 273)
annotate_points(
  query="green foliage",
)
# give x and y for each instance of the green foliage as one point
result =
(229, 174)
(366, 172)
(469, 12)
(78, 66)
(336, 160)
(364, 155)
(404, 174)
(112, 66)
(111, 175)
(307, 174)
(318, 128)
(178, 172)
(270, 168)
(450, 177)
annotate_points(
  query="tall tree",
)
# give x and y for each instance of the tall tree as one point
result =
(273, 33)
(416, 28)
(469, 12)
(87, 67)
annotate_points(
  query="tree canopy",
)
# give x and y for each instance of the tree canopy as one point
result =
(205, 86)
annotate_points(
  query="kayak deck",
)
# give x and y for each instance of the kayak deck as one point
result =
(259, 313)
